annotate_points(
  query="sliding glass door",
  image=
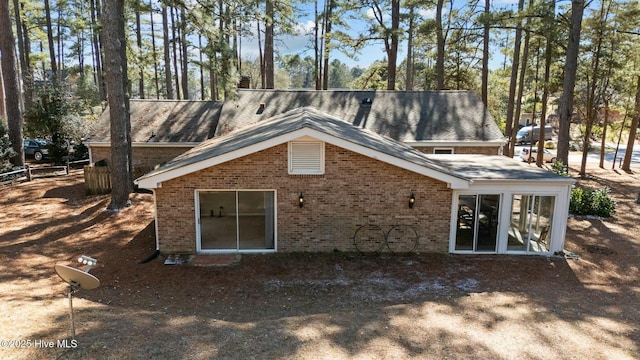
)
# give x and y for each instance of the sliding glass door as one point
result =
(477, 227)
(236, 220)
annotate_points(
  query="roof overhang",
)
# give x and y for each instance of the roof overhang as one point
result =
(154, 179)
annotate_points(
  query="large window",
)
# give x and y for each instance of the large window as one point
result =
(236, 220)
(477, 227)
(530, 223)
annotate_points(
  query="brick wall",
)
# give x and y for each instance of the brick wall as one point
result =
(354, 191)
(482, 150)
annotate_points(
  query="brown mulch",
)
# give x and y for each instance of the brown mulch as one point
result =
(308, 306)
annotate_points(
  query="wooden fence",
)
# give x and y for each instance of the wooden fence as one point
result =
(97, 179)
(31, 172)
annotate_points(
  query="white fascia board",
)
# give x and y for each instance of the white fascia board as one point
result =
(155, 181)
(493, 143)
(147, 144)
(527, 184)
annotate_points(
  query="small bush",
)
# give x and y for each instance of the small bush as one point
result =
(587, 201)
(559, 168)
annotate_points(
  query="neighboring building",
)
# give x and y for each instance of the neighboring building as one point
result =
(304, 180)
(528, 119)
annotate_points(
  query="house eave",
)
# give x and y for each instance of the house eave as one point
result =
(525, 183)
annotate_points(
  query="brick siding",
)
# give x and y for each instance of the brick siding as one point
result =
(354, 191)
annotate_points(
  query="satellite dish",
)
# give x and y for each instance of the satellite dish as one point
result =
(77, 277)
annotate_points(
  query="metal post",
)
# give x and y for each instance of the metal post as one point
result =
(73, 327)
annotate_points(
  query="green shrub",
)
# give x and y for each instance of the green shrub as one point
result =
(559, 168)
(587, 201)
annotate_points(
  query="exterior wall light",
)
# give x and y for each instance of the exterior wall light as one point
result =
(301, 200)
(412, 201)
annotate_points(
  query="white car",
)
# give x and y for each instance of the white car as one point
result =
(547, 156)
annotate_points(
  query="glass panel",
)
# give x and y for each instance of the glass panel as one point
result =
(530, 223)
(488, 222)
(255, 223)
(519, 227)
(466, 222)
(218, 220)
(541, 223)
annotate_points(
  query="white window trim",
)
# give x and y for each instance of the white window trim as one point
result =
(199, 249)
(306, 141)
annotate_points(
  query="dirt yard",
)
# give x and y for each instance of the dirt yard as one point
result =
(303, 306)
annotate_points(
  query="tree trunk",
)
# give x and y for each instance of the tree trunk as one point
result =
(545, 86)
(97, 50)
(440, 47)
(592, 101)
(60, 39)
(139, 43)
(327, 35)
(25, 66)
(3, 104)
(393, 49)
(11, 83)
(174, 48)
(485, 54)
(52, 51)
(213, 79)
(515, 65)
(317, 73)
(605, 124)
(409, 80)
(185, 55)
(154, 51)
(633, 131)
(268, 46)
(521, 84)
(167, 56)
(568, 85)
(201, 67)
(116, 77)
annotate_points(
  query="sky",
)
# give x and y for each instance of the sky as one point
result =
(302, 42)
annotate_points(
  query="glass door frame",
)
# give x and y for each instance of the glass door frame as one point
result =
(506, 192)
(476, 223)
(198, 229)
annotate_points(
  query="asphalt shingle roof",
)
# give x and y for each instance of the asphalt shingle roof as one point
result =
(406, 116)
(496, 167)
(165, 121)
